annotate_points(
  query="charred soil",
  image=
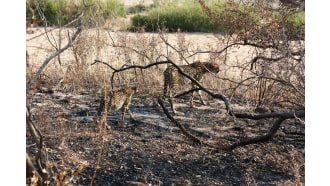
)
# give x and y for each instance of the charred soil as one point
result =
(153, 151)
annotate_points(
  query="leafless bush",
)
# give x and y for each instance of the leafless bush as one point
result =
(275, 72)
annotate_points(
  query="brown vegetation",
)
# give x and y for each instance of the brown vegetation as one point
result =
(252, 132)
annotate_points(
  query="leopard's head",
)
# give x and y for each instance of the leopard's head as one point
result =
(212, 67)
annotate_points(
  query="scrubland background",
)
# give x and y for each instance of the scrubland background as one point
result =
(259, 46)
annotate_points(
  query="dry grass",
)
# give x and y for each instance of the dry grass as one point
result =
(73, 70)
(73, 73)
(76, 72)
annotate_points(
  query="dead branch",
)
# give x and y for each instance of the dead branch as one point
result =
(255, 59)
(32, 128)
(41, 158)
(171, 61)
(191, 137)
(229, 46)
(128, 67)
(281, 117)
(98, 61)
(298, 118)
(171, 46)
(284, 83)
(285, 115)
(45, 63)
(36, 134)
(258, 139)
(239, 84)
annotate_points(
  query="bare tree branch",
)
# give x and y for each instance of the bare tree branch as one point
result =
(255, 59)
(190, 136)
(41, 158)
(286, 115)
(45, 63)
(171, 61)
(257, 139)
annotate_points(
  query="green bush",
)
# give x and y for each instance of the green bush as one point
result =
(190, 17)
(113, 9)
(296, 25)
(187, 17)
(141, 21)
(136, 9)
(61, 12)
(293, 23)
(55, 11)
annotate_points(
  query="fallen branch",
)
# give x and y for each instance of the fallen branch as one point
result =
(285, 115)
(190, 136)
(257, 139)
(281, 117)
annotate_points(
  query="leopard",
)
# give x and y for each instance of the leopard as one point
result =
(117, 99)
(173, 79)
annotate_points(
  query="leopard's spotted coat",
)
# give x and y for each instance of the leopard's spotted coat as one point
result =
(173, 79)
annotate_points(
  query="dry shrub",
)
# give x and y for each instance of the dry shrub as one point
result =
(274, 72)
(278, 83)
(258, 82)
(136, 49)
(60, 175)
(78, 73)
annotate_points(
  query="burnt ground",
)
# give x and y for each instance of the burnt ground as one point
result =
(152, 150)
